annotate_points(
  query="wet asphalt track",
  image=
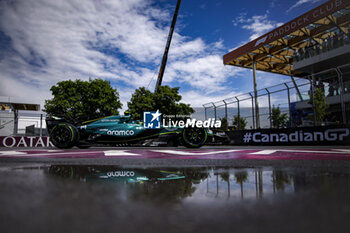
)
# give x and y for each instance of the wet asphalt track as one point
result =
(303, 156)
(223, 189)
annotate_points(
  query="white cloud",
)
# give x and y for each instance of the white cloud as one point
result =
(122, 41)
(197, 98)
(267, 79)
(23, 92)
(206, 73)
(55, 40)
(203, 5)
(257, 25)
(241, 18)
(301, 2)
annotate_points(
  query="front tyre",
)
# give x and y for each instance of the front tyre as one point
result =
(64, 135)
(194, 137)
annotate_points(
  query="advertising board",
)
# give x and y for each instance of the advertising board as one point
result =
(24, 141)
(322, 135)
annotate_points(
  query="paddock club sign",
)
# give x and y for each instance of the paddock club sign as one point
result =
(319, 12)
(25, 141)
(322, 135)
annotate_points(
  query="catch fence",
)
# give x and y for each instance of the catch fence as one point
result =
(294, 98)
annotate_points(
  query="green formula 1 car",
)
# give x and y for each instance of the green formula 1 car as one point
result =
(114, 173)
(120, 130)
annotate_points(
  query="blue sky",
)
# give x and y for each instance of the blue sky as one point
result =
(43, 42)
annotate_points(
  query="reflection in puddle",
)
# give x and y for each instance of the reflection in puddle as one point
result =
(200, 184)
(114, 173)
(104, 198)
(246, 184)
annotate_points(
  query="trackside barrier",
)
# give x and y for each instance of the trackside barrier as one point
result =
(294, 98)
(322, 135)
(25, 141)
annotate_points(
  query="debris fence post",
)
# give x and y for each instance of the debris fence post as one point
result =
(270, 112)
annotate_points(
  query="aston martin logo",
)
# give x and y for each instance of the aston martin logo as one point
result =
(260, 41)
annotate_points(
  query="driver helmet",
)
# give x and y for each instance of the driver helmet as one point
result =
(127, 113)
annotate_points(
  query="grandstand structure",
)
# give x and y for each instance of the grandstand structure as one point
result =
(14, 117)
(314, 47)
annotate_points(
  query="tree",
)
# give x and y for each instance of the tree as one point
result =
(321, 105)
(165, 99)
(241, 177)
(225, 176)
(224, 123)
(239, 122)
(83, 99)
(281, 179)
(278, 119)
(141, 101)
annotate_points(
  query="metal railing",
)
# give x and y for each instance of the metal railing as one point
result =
(293, 98)
(328, 44)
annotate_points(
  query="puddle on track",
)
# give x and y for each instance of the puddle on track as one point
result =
(89, 198)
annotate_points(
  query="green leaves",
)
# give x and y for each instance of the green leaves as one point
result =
(278, 119)
(84, 100)
(96, 98)
(165, 99)
(224, 123)
(321, 106)
(239, 122)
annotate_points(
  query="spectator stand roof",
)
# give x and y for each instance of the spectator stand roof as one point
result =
(15, 104)
(273, 51)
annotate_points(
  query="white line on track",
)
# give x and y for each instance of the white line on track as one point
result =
(12, 152)
(22, 153)
(119, 153)
(264, 152)
(332, 151)
(111, 153)
(65, 153)
(179, 152)
(342, 150)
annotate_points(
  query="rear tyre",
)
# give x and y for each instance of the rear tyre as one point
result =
(194, 137)
(64, 135)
